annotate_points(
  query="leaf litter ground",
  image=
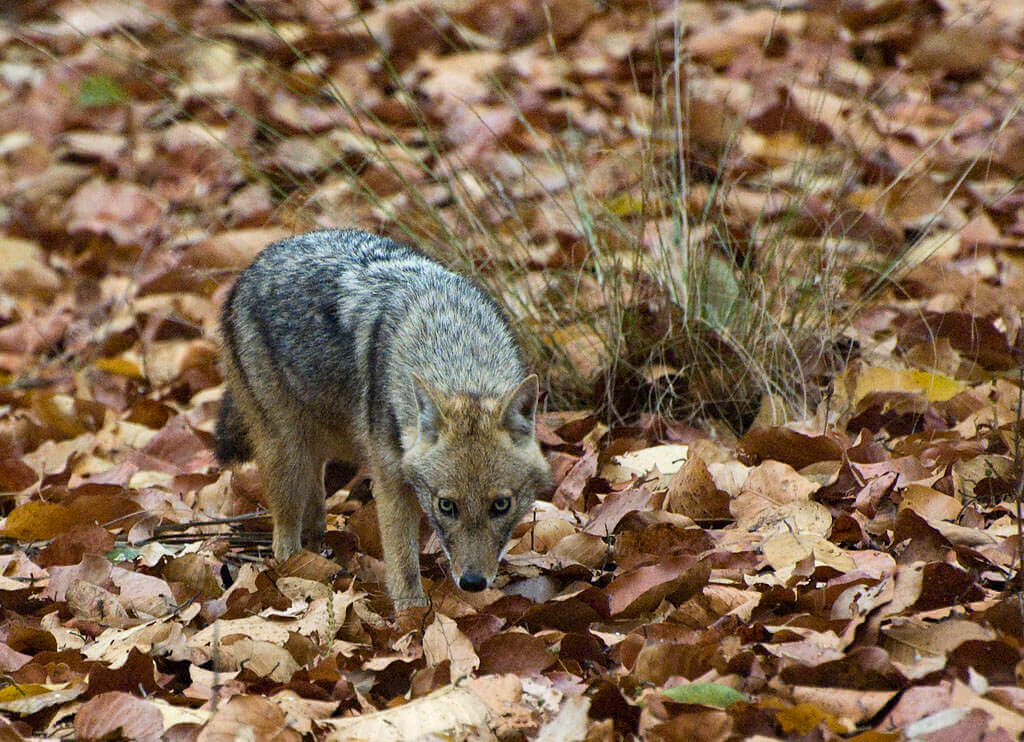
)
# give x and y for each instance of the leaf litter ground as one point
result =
(853, 574)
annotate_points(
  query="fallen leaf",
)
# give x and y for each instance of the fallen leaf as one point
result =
(29, 698)
(705, 694)
(442, 641)
(448, 710)
(935, 387)
(253, 716)
(640, 590)
(24, 270)
(118, 714)
(515, 652)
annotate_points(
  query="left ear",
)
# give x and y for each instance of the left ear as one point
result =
(519, 407)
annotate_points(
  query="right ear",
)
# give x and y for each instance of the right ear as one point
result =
(429, 417)
(519, 408)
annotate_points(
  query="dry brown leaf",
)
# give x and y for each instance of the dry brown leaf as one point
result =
(784, 551)
(235, 249)
(35, 521)
(515, 652)
(582, 548)
(666, 459)
(797, 143)
(692, 492)
(930, 504)
(789, 446)
(571, 723)
(641, 590)
(252, 716)
(121, 211)
(302, 713)
(121, 715)
(196, 572)
(719, 45)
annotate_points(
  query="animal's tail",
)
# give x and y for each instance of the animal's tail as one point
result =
(232, 440)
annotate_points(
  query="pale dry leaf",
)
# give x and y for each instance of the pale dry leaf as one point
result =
(587, 549)
(667, 459)
(785, 549)
(793, 517)
(301, 589)
(768, 486)
(966, 536)
(854, 706)
(173, 714)
(24, 270)
(120, 210)
(163, 637)
(443, 640)
(929, 503)
(234, 249)
(262, 658)
(301, 713)
(571, 723)
(29, 698)
(451, 710)
(94, 603)
(907, 640)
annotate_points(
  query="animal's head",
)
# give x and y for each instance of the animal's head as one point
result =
(476, 469)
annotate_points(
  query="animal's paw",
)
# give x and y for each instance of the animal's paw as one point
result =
(409, 603)
(410, 614)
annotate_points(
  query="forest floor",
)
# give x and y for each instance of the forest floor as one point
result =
(848, 572)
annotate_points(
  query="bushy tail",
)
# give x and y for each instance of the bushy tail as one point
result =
(232, 440)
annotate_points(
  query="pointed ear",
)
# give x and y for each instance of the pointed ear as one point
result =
(519, 408)
(429, 417)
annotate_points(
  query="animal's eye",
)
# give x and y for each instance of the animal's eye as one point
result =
(447, 507)
(501, 505)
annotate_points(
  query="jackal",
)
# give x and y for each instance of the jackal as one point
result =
(343, 345)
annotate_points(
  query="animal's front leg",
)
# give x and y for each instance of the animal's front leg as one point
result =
(398, 516)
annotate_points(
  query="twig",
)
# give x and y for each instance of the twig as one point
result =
(166, 527)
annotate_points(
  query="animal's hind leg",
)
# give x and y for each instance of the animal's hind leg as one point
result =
(294, 481)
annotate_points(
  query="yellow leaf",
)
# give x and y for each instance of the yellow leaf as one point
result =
(805, 718)
(120, 366)
(14, 692)
(625, 204)
(866, 198)
(936, 387)
(35, 521)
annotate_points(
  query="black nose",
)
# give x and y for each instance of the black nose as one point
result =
(472, 583)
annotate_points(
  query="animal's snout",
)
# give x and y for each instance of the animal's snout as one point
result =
(472, 582)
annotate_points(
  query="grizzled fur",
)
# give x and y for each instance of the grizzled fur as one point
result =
(345, 345)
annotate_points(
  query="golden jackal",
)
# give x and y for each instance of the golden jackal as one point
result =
(345, 345)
